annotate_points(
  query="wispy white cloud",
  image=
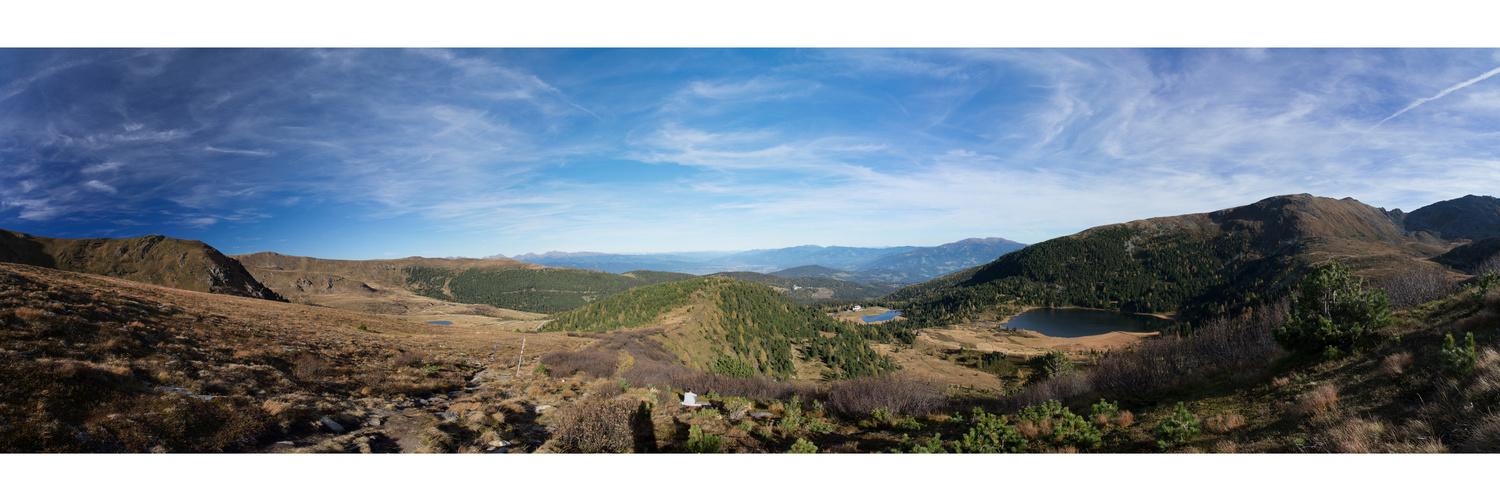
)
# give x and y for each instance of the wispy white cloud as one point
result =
(109, 166)
(252, 152)
(100, 187)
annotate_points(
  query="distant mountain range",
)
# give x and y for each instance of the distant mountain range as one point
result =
(904, 264)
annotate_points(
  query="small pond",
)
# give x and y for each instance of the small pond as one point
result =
(880, 317)
(440, 322)
(1071, 323)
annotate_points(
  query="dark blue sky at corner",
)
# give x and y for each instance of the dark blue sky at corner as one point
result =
(382, 153)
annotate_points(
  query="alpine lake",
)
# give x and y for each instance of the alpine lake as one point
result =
(1073, 323)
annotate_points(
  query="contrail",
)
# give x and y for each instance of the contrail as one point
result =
(1439, 95)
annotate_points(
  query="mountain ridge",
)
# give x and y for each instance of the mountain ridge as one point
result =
(159, 260)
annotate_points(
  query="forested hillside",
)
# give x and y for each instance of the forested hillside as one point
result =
(747, 328)
(814, 289)
(546, 290)
(1197, 265)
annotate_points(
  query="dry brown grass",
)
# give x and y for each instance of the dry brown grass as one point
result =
(1322, 399)
(30, 313)
(598, 363)
(897, 394)
(1396, 364)
(1356, 435)
(595, 425)
(411, 358)
(1224, 422)
(1226, 446)
(1125, 419)
(309, 368)
(1028, 429)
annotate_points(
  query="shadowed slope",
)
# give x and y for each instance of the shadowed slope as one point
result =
(183, 264)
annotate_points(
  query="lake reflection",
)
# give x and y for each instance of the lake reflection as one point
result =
(1070, 323)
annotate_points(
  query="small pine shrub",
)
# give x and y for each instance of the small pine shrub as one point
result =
(804, 446)
(738, 408)
(934, 444)
(1056, 363)
(990, 434)
(701, 442)
(1058, 427)
(820, 427)
(1103, 411)
(1177, 428)
(1458, 360)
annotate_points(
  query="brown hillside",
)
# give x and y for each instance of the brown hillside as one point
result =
(99, 364)
(374, 286)
(159, 260)
(1312, 228)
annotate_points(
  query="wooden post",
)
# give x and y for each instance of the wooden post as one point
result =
(520, 356)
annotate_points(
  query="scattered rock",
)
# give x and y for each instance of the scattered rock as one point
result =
(762, 414)
(542, 407)
(331, 425)
(373, 422)
(446, 416)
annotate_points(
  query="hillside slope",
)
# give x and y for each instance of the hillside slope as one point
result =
(159, 260)
(1196, 264)
(811, 289)
(735, 328)
(1468, 218)
(500, 283)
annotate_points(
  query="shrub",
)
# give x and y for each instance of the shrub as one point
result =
(1176, 429)
(729, 366)
(1483, 284)
(990, 434)
(1055, 364)
(595, 362)
(1458, 360)
(804, 446)
(1332, 307)
(1416, 284)
(1221, 343)
(606, 389)
(700, 442)
(1103, 411)
(1059, 427)
(738, 408)
(595, 425)
(309, 368)
(409, 358)
(897, 394)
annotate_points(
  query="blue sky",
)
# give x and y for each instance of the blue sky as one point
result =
(383, 153)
